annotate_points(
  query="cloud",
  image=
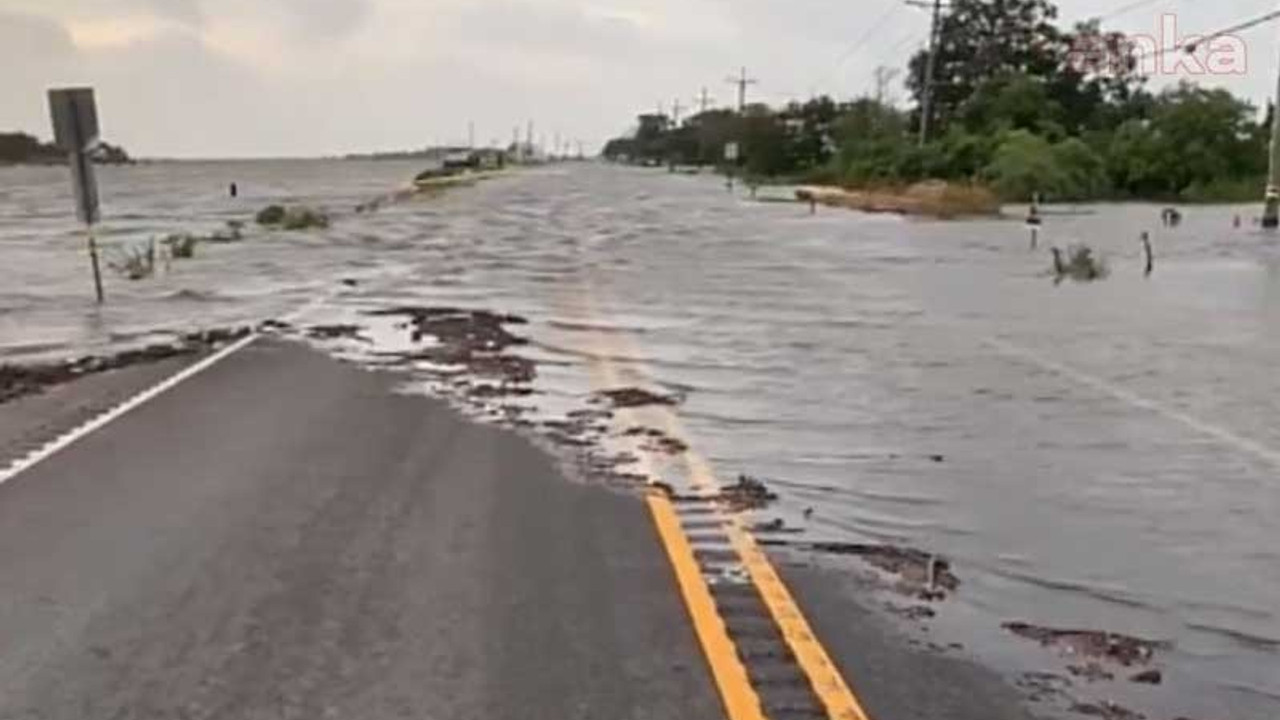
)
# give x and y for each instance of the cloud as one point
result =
(237, 77)
(33, 37)
(328, 18)
(35, 53)
(184, 11)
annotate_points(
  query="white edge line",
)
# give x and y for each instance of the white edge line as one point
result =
(37, 456)
(1208, 429)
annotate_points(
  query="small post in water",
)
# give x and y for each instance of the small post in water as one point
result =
(75, 130)
(1146, 249)
(1271, 199)
(1033, 220)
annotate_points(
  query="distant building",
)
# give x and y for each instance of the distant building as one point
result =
(474, 159)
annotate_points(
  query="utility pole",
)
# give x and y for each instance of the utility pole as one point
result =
(884, 76)
(742, 81)
(528, 140)
(926, 102)
(704, 101)
(1271, 201)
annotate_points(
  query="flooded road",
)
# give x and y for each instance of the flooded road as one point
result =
(1099, 456)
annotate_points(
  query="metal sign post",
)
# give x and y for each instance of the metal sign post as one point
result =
(75, 130)
(731, 160)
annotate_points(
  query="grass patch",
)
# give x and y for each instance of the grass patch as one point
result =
(934, 198)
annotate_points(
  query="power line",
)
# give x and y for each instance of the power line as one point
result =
(866, 35)
(1191, 47)
(903, 42)
(1123, 9)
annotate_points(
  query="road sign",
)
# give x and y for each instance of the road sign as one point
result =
(75, 119)
(731, 151)
(75, 130)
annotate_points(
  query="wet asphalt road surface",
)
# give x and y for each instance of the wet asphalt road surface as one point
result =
(282, 537)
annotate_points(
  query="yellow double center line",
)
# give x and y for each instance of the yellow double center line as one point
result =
(731, 677)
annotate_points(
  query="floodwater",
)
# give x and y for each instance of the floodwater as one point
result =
(1100, 455)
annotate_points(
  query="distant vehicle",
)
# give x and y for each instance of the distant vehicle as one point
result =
(458, 160)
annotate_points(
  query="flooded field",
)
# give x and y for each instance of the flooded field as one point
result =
(1097, 456)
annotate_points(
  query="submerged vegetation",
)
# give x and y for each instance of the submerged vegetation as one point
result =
(139, 261)
(1023, 106)
(298, 217)
(1079, 263)
(181, 245)
(134, 262)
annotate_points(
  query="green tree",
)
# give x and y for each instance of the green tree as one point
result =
(1132, 160)
(1085, 175)
(981, 40)
(765, 147)
(1025, 164)
(1011, 101)
(1204, 134)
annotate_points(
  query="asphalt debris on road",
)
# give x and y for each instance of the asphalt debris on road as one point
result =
(657, 441)
(336, 332)
(1095, 657)
(747, 493)
(477, 330)
(1095, 645)
(470, 342)
(634, 397)
(18, 380)
(1091, 671)
(1107, 710)
(1148, 677)
(918, 573)
(776, 526)
(1043, 686)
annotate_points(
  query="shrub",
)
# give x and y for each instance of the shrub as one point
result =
(181, 245)
(1024, 165)
(271, 215)
(293, 218)
(304, 218)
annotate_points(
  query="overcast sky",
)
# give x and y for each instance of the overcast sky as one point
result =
(218, 78)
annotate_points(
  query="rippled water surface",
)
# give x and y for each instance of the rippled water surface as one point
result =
(1102, 456)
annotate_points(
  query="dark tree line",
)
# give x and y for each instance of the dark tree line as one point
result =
(1019, 103)
(20, 148)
